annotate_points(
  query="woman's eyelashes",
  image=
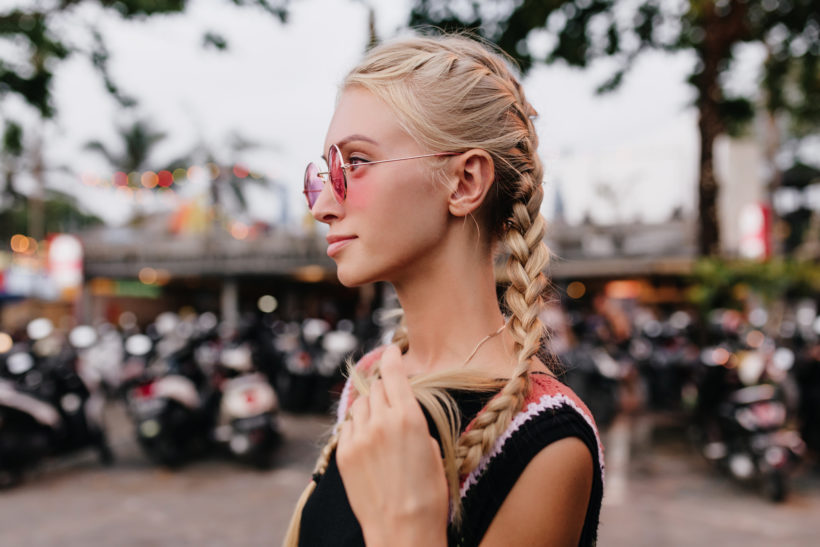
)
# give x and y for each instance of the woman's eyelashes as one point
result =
(355, 161)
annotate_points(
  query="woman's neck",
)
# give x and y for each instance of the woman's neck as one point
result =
(449, 309)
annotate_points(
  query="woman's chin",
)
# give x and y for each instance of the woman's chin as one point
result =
(350, 278)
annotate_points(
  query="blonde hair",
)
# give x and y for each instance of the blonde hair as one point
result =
(454, 93)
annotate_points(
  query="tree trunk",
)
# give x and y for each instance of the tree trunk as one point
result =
(708, 222)
(722, 28)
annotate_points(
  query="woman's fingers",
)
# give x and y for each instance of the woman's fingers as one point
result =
(378, 398)
(398, 393)
(360, 411)
(345, 433)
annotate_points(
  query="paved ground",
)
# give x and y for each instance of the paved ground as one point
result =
(663, 496)
(669, 496)
(209, 503)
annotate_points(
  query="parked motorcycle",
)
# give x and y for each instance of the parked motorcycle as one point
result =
(742, 414)
(163, 398)
(806, 342)
(246, 422)
(593, 373)
(47, 408)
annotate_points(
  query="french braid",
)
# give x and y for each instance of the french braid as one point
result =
(528, 256)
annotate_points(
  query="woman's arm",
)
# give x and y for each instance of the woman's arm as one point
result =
(548, 503)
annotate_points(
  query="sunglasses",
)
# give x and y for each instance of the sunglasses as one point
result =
(337, 174)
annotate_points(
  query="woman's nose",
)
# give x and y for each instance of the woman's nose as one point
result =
(326, 207)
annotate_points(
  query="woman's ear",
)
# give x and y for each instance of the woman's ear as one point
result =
(473, 173)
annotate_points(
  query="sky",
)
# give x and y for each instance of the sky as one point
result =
(625, 156)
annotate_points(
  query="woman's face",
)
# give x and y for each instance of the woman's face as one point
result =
(395, 213)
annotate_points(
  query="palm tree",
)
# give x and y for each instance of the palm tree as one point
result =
(137, 143)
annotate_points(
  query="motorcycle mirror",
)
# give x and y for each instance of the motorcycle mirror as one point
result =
(166, 322)
(237, 358)
(312, 329)
(680, 320)
(339, 342)
(758, 317)
(82, 336)
(783, 358)
(653, 328)
(39, 328)
(138, 345)
(345, 325)
(185, 329)
(806, 312)
(19, 363)
(207, 322)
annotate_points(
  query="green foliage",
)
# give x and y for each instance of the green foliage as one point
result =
(12, 144)
(61, 213)
(721, 283)
(801, 175)
(137, 142)
(34, 39)
(40, 44)
(581, 31)
(215, 40)
(736, 112)
(584, 30)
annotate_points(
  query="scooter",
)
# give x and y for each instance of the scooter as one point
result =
(46, 408)
(246, 423)
(747, 434)
(163, 398)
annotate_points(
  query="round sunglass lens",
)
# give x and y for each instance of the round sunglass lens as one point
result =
(313, 184)
(337, 173)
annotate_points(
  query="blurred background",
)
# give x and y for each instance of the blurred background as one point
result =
(172, 332)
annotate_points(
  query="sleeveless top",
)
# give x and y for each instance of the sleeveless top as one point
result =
(551, 412)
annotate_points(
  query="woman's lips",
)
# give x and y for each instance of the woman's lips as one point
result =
(335, 244)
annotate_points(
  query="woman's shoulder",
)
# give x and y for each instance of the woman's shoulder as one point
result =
(548, 392)
(551, 411)
(548, 396)
(553, 404)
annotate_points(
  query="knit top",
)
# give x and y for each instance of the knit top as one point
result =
(551, 412)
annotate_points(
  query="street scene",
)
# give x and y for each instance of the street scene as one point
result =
(187, 273)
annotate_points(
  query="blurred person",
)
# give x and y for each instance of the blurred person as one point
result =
(459, 432)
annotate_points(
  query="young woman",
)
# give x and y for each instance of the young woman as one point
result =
(458, 433)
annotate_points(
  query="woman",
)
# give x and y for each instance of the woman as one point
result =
(431, 167)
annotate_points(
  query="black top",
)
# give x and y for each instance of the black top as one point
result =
(327, 518)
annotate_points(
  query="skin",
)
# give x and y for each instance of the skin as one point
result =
(420, 233)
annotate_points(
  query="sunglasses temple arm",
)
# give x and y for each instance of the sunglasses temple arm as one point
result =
(346, 165)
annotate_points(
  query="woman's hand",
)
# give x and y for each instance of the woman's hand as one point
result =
(391, 466)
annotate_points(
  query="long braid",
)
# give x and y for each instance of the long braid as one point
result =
(528, 257)
(524, 298)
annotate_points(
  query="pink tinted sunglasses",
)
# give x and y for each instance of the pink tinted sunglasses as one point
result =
(337, 174)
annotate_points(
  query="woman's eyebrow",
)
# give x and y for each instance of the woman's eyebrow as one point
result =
(355, 137)
(352, 138)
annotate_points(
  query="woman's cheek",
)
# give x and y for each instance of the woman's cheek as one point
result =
(359, 194)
